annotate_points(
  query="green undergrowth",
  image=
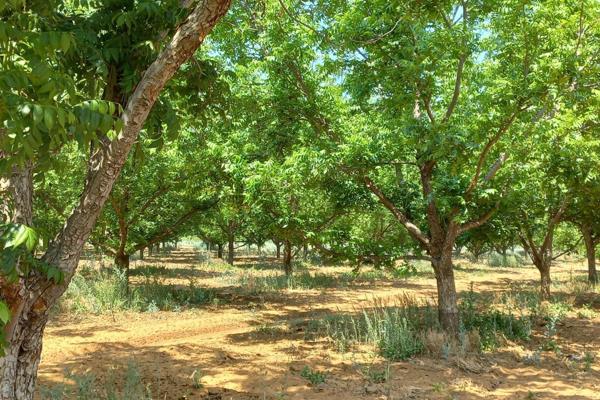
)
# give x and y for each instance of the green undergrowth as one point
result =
(106, 291)
(251, 282)
(409, 327)
(87, 387)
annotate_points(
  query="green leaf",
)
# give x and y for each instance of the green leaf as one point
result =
(38, 114)
(48, 118)
(4, 313)
(24, 235)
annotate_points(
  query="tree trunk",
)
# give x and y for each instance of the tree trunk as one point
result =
(18, 368)
(220, 251)
(287, 258)
(230, 250)
(122, 262)
(141, 253)
(305, 252)
(447, 297)
(278, 249)
(545, 281)
(590, 250)
(21, 193)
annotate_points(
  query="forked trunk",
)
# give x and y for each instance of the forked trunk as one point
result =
(590, 250)
(447, 298)
(230, 250)
(287, 258)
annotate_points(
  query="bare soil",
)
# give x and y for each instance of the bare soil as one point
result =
(239, 360)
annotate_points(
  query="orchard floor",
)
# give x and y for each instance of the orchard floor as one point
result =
(239, 356)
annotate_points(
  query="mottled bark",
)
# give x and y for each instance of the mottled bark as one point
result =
(447, 298)
(24, 342)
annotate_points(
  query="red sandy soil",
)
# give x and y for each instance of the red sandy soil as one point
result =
(239, 361)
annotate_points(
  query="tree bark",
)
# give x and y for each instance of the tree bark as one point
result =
(24, 346)
(287, 258)
(230, 249)
(122, 262)
(220, 251)
(545, 281)
(278, 249)
(590, 250)
(18, 368)
(142, 254)
(446, 288)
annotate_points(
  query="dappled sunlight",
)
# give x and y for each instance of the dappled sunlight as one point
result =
(257, 345)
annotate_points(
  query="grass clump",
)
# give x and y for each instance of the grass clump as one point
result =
(493, 325)
(393, 330)
(107, 291)
(85, 387)
(409, 328)
(376, 375)
(314, 377)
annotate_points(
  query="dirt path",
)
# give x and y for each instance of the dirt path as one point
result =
(239, 360)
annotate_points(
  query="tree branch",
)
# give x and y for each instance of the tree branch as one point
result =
(457, 85)
(412, 229)
(555, 219)
(159, 192)
(569, 250)
(495, 167)
(484, 153)
(479, 221)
